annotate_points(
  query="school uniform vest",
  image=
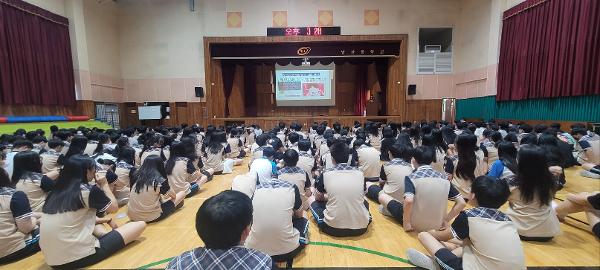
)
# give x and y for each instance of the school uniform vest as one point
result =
(368, 161)
(594, 141)
(438, 164)
(272, 231)
(430, 199)
(67, 236)
(180, 179)
(30, 184)
(503, 251)
(531, 219)
(235, 148)
(11, 239)
(464, 185)
(144, 206)
(245, 183)
(149, 152)
(396, 172)
(492, 152)
(122, 185)
(307, 162)
(296, 176)
(345, 207)
(375, 142)
(90, 147)
(327, 161)
(214, 160)
(49, 159)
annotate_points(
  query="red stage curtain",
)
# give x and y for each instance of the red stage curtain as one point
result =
(36, 67)
(550, 48)
(228, 73)
(361, 92)
(250, 89)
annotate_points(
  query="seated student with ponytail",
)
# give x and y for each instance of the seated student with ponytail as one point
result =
(124, 170)
(151, 184)
(426, 195)
(393, 175)
(50, 157)
(344, 211)
(463, 163)
(28, 178)
(215, 153)
(181, 172)
(153, 146)
(72, 235)
(490, 239)
(237, 147)
(18, 234)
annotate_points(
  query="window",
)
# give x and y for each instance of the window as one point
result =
(435, 51)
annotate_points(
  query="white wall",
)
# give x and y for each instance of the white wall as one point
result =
(55, 6)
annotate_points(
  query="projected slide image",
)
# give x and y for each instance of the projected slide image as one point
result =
(305, 86)
(313, 89)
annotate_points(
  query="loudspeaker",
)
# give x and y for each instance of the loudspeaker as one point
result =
(412, 89)
(199, 91)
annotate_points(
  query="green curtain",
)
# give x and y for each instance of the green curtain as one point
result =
(582, 108)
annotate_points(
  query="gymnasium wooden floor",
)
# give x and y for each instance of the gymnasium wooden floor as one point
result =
(383, 246)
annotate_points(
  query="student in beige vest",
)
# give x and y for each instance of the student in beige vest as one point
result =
(245, 183)
(71, 234)
(18, 234)
(464, 164)
(181, 172)
(489, 237)
(367, 158)
(27, 177)
(153, 146)
(532, 191)
(306, 160)
(436, 141)
(76, 147)
(344, 211)
(216, 152)
(426, 193)
(237, 147)
(295, 175)
(488, 145)
(124, 169)
(274, 229)
(50, 157)
(393, 175)
(152, 199)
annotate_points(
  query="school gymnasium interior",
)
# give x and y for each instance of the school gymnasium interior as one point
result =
(113, 64)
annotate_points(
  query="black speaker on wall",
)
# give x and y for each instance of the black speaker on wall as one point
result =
(412, 89)
(199, 91)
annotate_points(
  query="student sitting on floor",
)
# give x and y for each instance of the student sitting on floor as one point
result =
(69, 234)
(506, 165)
(464, 164)
(124, 170)
(264, 166)
(18, 234)
(297, 176)
(237, 147)
(306, 160)
(340, 208)
(367, 158)
(181, 172)
(223, 223)
(490, 239)
(425, 196)
(27, 177)
(50, 157)
(588, 145)
(532, 191)
(293, 139)
(151, 184)
(274, 229)
(215, 153)
(582, 202)
(258, 146)
(245, 183)
(18, 146)
(393, 175)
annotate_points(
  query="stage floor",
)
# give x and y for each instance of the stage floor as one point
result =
(383, 246)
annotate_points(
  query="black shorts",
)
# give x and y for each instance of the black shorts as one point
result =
(397, 210)
(167, 208)
(373, 193)
(536, 239)
(372, 179)
(31, 247)
(595, 169)
(596, 230)
(242, 154)
(194, 188)
(110, 243)
(318, 207)
(218, 173)
(300, 224)
(448, 260)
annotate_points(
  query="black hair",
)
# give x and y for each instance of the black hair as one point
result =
(24, 163)
(127, 154)
(467, 160)
(388, 132)
(4, 179)
(490, 192)
(549, 143)
(533, 177)
(268, 152)
(293, 137)
(39, 139)
(262, 139)
(579, 131)
(340, 152)
(529, 139)
(151, 173)
(290, 157)
(216, 142)
(66, 193)
(304, 144)
(507, 153)
(423, 155)
(402, 151)
(222, 219)
(448, 135)
(102, 139)
(177, 151)
(438, 141)
(526, 128)
(77, 146)
(22, 143)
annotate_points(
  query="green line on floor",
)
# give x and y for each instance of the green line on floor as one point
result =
(328, 244)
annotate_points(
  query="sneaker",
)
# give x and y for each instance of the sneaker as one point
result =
(421, 260)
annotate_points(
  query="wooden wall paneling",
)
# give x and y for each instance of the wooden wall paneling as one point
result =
(216, 96)
(181, 113)
(235, 103)
(417, 110)
(82, 107)
(195, 113)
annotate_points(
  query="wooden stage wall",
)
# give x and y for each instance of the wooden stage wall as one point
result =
(83, 107)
